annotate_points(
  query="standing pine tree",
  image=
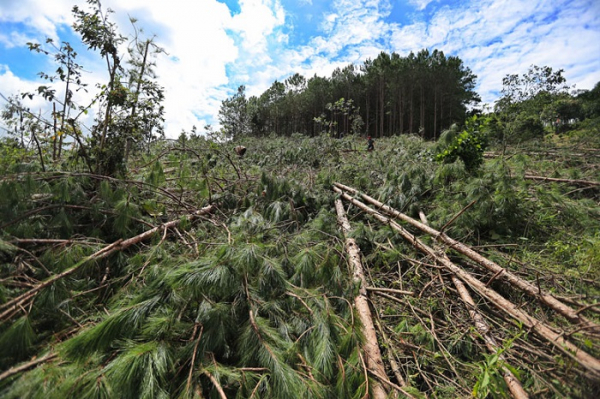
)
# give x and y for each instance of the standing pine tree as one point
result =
(233, 115)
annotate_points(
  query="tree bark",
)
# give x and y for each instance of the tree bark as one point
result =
(370, 347)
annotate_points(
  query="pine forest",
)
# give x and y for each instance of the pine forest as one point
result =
(277, 257)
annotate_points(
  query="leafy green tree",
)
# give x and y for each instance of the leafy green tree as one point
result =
(27, 130)
(524, 98)
(70, 73)
(98, 33)
(341, 113)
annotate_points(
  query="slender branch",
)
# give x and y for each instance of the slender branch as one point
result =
(189, 380)
(570, 181)
(390, 290)
(39, 148)
(216, 384)
(457, 215)
(25, 366)
(386, 381)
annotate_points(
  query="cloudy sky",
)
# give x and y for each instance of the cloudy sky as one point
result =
(213, 46)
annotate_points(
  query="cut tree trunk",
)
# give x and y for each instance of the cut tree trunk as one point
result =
(514, 385)
(371, 347)
(512, 382)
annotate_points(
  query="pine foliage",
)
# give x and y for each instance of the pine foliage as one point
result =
(255, 300)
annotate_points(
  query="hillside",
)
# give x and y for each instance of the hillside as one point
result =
(206, 274)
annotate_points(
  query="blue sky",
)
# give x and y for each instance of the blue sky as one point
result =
(213, 46)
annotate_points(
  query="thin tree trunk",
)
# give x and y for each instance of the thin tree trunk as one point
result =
(137, 97)
(367, 109)
(514, 385)
(371, 348)
(422, 113)
(401, 116)
(84, 153)
(55, 130)
(411, 115)
(381, 107)
(435, 107)
(39, 148)
(65, 106)
(108, 113)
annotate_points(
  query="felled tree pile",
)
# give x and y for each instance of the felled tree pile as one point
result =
(203, 274)
(449, 281)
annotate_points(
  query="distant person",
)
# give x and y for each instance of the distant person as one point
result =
(370, 144)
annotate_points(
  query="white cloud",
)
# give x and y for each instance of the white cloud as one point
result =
(212, 51)
(496, 38)
(15, 39)
(255, 22)
(11, 85)
(421, 4)
(205, 40)
(41, 16)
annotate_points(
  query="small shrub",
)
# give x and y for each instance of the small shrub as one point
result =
(468, 145)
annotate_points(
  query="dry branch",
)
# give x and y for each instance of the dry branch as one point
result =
(371, 348)
(391, 355)
(493, 267)
(390, 290)
(588, 362)
(569, 181)
(216, 384)
(26, 366)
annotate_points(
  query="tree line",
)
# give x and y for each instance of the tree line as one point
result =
(422, 93)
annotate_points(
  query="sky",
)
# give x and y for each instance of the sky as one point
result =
(214, 46)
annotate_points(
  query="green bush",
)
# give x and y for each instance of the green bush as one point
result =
(527, 127)
(468, 145)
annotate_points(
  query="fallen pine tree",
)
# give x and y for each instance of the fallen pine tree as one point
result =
(589, 363)
(18, 303)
